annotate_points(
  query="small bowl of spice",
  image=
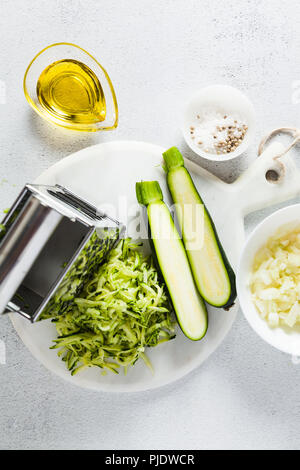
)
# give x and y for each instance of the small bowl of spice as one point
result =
(219, 123)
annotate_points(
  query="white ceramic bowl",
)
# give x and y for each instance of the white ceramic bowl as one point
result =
(224, 99)
(283, 338)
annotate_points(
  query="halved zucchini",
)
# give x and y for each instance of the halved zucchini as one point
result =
(171, 256)
(212, 272)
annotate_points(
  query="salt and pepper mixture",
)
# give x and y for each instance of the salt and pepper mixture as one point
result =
(217, 132)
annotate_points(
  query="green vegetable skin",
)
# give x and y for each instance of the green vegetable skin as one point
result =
(188, 305)
(212, 272)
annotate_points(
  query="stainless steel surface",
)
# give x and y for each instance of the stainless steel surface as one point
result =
(23, 244)
(48, 274)
(69, 203)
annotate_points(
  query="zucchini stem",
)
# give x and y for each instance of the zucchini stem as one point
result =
(173, 159)
(148, 192)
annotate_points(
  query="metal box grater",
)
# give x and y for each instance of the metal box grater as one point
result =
(49, 235)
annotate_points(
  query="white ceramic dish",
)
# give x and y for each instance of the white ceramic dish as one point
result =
(107, 173)
(224, 99)
(282, 338)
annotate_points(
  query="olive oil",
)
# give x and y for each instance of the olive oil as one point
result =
(70, 91)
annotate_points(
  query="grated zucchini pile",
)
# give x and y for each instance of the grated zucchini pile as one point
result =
(123, 309)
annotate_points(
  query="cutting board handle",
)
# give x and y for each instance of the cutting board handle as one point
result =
(254, 191)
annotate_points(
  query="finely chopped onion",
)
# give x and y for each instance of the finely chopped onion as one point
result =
(275, 278)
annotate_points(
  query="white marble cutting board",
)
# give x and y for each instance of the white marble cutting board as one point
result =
(107, 173)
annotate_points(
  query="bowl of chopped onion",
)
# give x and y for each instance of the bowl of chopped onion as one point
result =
(268, 280)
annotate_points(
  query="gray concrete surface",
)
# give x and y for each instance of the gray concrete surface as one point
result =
(157, 53)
